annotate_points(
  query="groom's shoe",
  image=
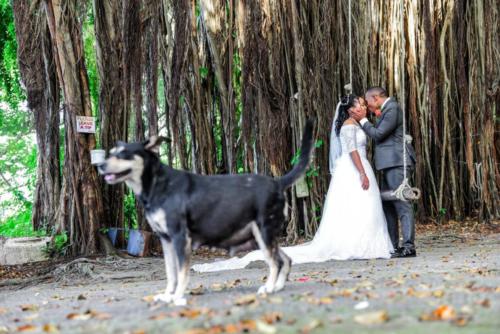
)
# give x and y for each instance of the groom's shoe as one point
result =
(397, 252)
(406, 252)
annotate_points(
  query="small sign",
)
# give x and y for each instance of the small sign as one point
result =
(85, 124)
(301, 188)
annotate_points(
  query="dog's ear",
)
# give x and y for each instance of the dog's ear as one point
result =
(153, 144)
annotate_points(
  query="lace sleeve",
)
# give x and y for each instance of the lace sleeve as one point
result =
(349, 135)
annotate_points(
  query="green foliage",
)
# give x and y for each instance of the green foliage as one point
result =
(58, 246)
(90, 58)
(19, 225)
(203, 72)
(312, 171)
(130, 211)
(18, 165)
(18, 157)
(12, 120)
(10, 89)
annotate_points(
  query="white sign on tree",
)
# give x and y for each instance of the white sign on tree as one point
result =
(85, 124)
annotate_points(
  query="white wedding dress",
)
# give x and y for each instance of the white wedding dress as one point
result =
(353, 224)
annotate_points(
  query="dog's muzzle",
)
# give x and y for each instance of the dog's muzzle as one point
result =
(111, 177)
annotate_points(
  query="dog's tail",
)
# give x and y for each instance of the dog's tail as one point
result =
(305, 154)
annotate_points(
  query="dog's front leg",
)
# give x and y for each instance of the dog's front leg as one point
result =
(182, 246)
(170, 269)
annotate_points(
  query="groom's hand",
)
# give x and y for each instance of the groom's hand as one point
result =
(358, 114)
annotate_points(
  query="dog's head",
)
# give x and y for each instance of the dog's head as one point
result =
(126, 162)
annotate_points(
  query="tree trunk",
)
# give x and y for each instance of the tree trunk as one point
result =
(108, 25)
(39, 78)
(84, 207)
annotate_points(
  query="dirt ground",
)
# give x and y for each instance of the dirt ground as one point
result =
(453, 286)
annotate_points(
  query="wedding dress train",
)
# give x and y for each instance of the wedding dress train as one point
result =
(353, 225)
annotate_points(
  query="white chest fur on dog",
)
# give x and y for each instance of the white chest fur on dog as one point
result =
(158, 221)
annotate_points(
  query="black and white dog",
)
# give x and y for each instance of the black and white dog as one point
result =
(186, 209)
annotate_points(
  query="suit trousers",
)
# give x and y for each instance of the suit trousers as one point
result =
(398, 212)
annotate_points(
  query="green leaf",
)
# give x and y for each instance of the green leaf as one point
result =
(203, 72)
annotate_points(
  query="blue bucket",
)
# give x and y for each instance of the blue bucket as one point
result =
(136, 243)
(113, 233)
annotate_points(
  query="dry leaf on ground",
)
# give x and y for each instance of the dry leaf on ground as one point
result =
(372, 318)
(265, 328)
(246, 300)
(197, 291)
(50, 328)
(27, 328)
(29, 307)
(315, 323)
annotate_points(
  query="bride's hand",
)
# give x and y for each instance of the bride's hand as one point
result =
(365, 183)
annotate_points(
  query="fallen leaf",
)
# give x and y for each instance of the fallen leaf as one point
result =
(197, 331)
(248, 325)
(29, 307)
(444, 312)
(372, 318)
(159, 316)
(325, 300)
(246, 300)
(31, 317)
(3, 310)
(217, 287)
(438, 293)
(272, 317)
(138, 331)
(190, 313)
(231, 328)
(461, 321)
(148, 299)
(366, 284)
(197, 291)
(26, 328)
(332, 282)
(234, 283)
(303, 279)
(50, 328)
(418, 294)
(265, 328)
(78, 316)
(101, 316)
(484, 303)
(315, 323)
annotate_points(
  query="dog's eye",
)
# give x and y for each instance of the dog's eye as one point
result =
(124, 155)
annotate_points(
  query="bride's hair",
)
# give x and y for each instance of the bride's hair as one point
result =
(345, 103)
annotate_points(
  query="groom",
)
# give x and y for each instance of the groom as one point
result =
(387, 134)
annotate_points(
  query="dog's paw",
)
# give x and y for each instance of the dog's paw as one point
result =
(163, 297)
(264, 290)
(180, 301)
(279, 286)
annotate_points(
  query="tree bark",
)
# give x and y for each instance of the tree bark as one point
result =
(84, 207)
(108, 25)
(37, 69)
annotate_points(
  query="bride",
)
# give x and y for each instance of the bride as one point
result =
(353, 224)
